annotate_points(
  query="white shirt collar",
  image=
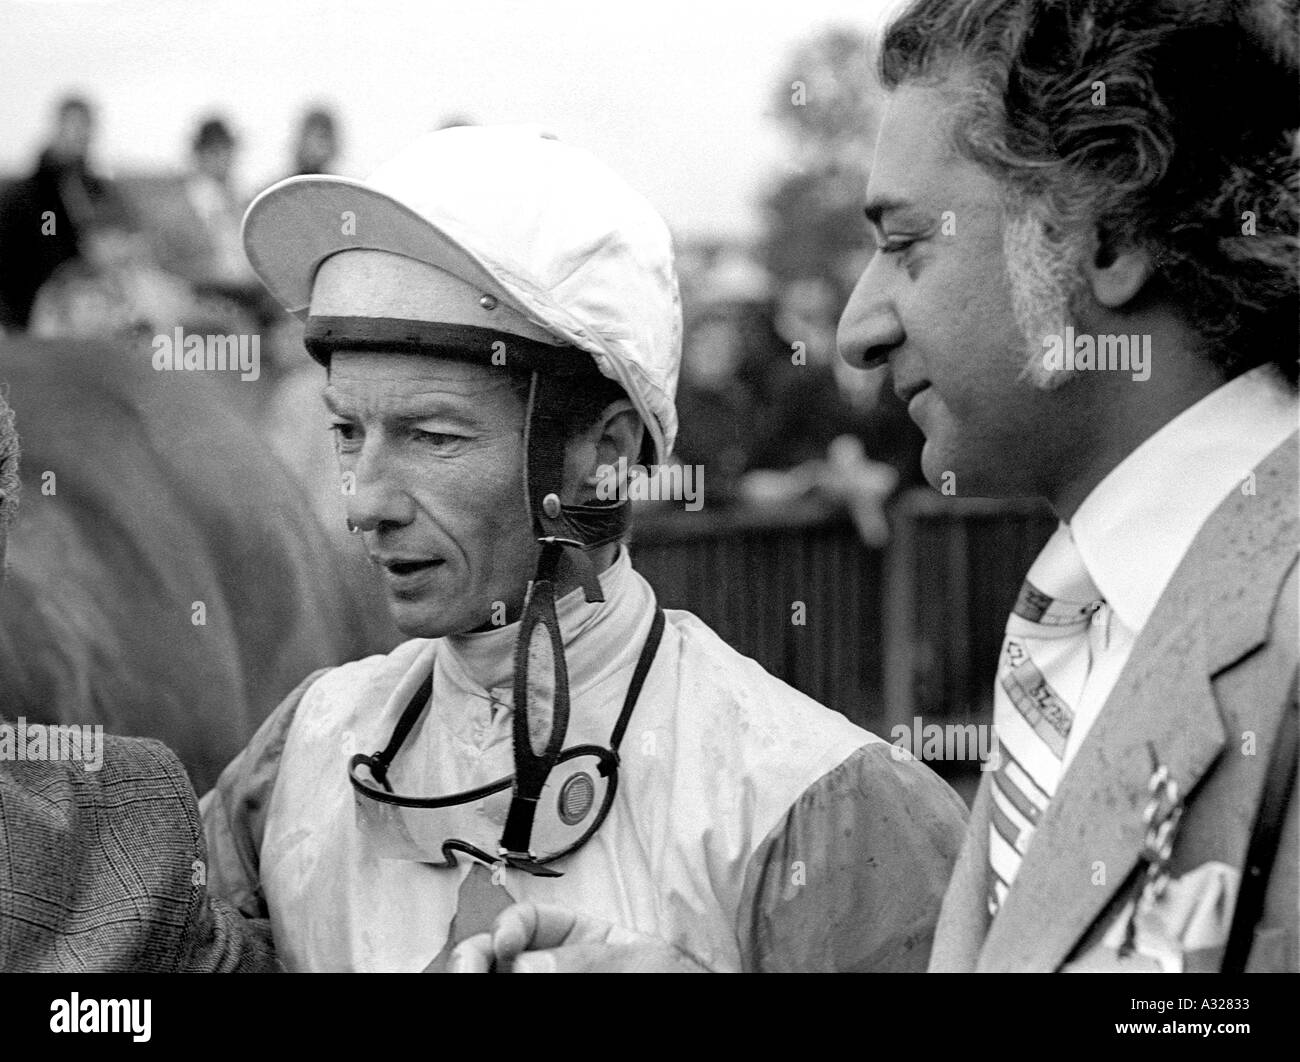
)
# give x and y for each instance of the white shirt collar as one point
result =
(596, 636)
(1136, 525)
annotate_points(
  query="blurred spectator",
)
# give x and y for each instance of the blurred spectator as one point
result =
(843, 399)
(766, 409)
(42, 216)
(750, 398)
(316, 148)
(807, 312)
(826, 436)
(114, 290)
(195, 233)
(719, 395)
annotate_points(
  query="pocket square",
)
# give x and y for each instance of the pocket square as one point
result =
(1184, 930)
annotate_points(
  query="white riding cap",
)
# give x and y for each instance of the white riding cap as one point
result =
(542, 227)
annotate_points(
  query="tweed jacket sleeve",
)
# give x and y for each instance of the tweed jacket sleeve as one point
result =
(105, 870)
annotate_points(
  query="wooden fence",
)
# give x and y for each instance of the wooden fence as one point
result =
(882, 635)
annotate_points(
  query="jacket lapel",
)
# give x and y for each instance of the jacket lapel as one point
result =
(1215, 610)
(1090, 838)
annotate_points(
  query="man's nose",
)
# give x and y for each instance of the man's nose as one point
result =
(374, 494)
(869, 327)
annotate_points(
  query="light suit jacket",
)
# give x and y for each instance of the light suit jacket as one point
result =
(1209, 680)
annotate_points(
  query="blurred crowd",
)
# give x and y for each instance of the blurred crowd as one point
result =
(767, 408)
(88, 257)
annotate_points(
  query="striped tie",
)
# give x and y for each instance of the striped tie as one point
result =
(1041, 673)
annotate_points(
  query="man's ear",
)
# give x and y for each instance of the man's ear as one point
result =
(616, 433)
(1116, 271)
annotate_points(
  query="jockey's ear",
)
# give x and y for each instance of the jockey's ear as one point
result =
(621, 433)
(617, 432)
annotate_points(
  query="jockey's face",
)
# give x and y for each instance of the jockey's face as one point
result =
(432, 458)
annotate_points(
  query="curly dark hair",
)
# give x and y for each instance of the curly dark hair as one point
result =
(1167, 124)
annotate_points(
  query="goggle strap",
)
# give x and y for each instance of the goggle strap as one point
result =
(415, 708)
(532, 768)
(643, 663)
(514, 848)
(518, 832)
(587, 576)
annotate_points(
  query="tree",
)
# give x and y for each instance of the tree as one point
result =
(828, 103)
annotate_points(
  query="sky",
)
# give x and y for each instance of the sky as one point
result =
(671, 93)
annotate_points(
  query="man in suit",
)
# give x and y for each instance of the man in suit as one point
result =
(1085, 287)
(102, 857)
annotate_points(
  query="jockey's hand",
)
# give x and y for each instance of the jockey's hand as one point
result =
(546, 938)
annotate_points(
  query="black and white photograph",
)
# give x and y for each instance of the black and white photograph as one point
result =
(693, 487)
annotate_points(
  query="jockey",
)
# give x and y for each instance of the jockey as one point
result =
(498, 316)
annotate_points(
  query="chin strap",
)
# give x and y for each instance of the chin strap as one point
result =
(539, 735)
(577, 528)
